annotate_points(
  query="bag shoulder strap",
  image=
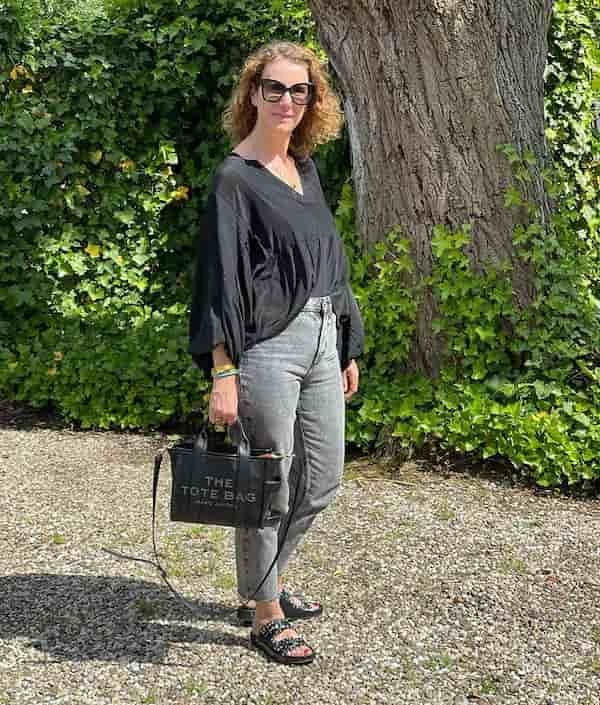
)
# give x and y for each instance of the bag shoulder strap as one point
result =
(156, 562)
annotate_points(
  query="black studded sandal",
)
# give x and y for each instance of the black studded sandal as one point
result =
(296, 606)
(293, 604)
(279, 649)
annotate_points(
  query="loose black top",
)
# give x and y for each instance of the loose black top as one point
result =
(263, 250)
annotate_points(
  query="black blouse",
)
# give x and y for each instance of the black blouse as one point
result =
(263, 250)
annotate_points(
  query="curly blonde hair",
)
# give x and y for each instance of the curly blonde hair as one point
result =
(323, 118)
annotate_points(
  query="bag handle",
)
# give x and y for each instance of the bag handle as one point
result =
(242, 477)
(201, 441)
(243, 444)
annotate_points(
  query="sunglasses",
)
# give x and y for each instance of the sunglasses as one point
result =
(273, 91)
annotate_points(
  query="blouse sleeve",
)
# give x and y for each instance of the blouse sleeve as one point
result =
(356, 330)
(351, 332)
(218, 291)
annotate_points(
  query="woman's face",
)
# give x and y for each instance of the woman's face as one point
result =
(285, 115)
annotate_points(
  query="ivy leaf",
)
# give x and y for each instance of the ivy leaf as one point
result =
(512, 198)
(140, 259)
(25, 121)
(479, 369)
(126, 216)
(93, 250)
(485, 333)
(542, 390)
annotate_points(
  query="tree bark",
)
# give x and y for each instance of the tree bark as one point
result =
(429, 88)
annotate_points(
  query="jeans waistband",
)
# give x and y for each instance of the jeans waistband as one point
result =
(318, 303)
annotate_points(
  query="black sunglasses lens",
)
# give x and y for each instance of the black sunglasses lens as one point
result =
(273, 91)
(301, 92)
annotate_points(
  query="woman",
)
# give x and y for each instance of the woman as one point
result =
(273, 318)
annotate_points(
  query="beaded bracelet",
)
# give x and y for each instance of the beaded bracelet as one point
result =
(222, 368)
(226, 373)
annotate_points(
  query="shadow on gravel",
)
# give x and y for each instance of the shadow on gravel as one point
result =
(92, 617)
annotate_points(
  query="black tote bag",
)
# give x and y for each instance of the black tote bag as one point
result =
(220, 487)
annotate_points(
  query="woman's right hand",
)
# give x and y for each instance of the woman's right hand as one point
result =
(223, 403)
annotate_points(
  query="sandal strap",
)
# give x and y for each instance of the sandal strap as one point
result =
(284, 646)
(273, 628)
(298, 600)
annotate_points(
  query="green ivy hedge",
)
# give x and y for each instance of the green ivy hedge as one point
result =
(522, 385)
(572, 104)
(108, 137)
(109, 134)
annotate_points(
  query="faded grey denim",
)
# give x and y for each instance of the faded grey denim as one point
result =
(291, 390)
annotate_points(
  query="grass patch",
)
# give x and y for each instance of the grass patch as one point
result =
(175, 558)
(146, 609)
(488, 686)
(444, 513)
(196, 532)
(594, 666)
(151, 698)
(513, 565)
(135, 539)
(182, 560)
(409, 670)
(192, 687)
(315, 557)
(443, 661)
(217, 536)
(399, 531)
(225, 581)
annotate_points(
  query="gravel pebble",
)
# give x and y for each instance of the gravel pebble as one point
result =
(438, 589)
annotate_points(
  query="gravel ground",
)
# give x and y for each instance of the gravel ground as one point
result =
(438, 589)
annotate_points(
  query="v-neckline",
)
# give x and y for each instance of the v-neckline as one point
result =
(292, 191)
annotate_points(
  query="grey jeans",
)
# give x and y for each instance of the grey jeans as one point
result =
(291, 399)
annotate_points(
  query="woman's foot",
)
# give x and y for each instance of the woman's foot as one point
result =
(293, 605)
(281, 642)
(273, 634)
(296, 606)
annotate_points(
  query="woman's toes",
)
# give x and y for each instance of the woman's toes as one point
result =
(297, 650)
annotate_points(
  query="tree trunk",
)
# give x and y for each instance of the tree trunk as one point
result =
(429, 88)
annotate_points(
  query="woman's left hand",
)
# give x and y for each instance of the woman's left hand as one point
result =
(350, 380)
